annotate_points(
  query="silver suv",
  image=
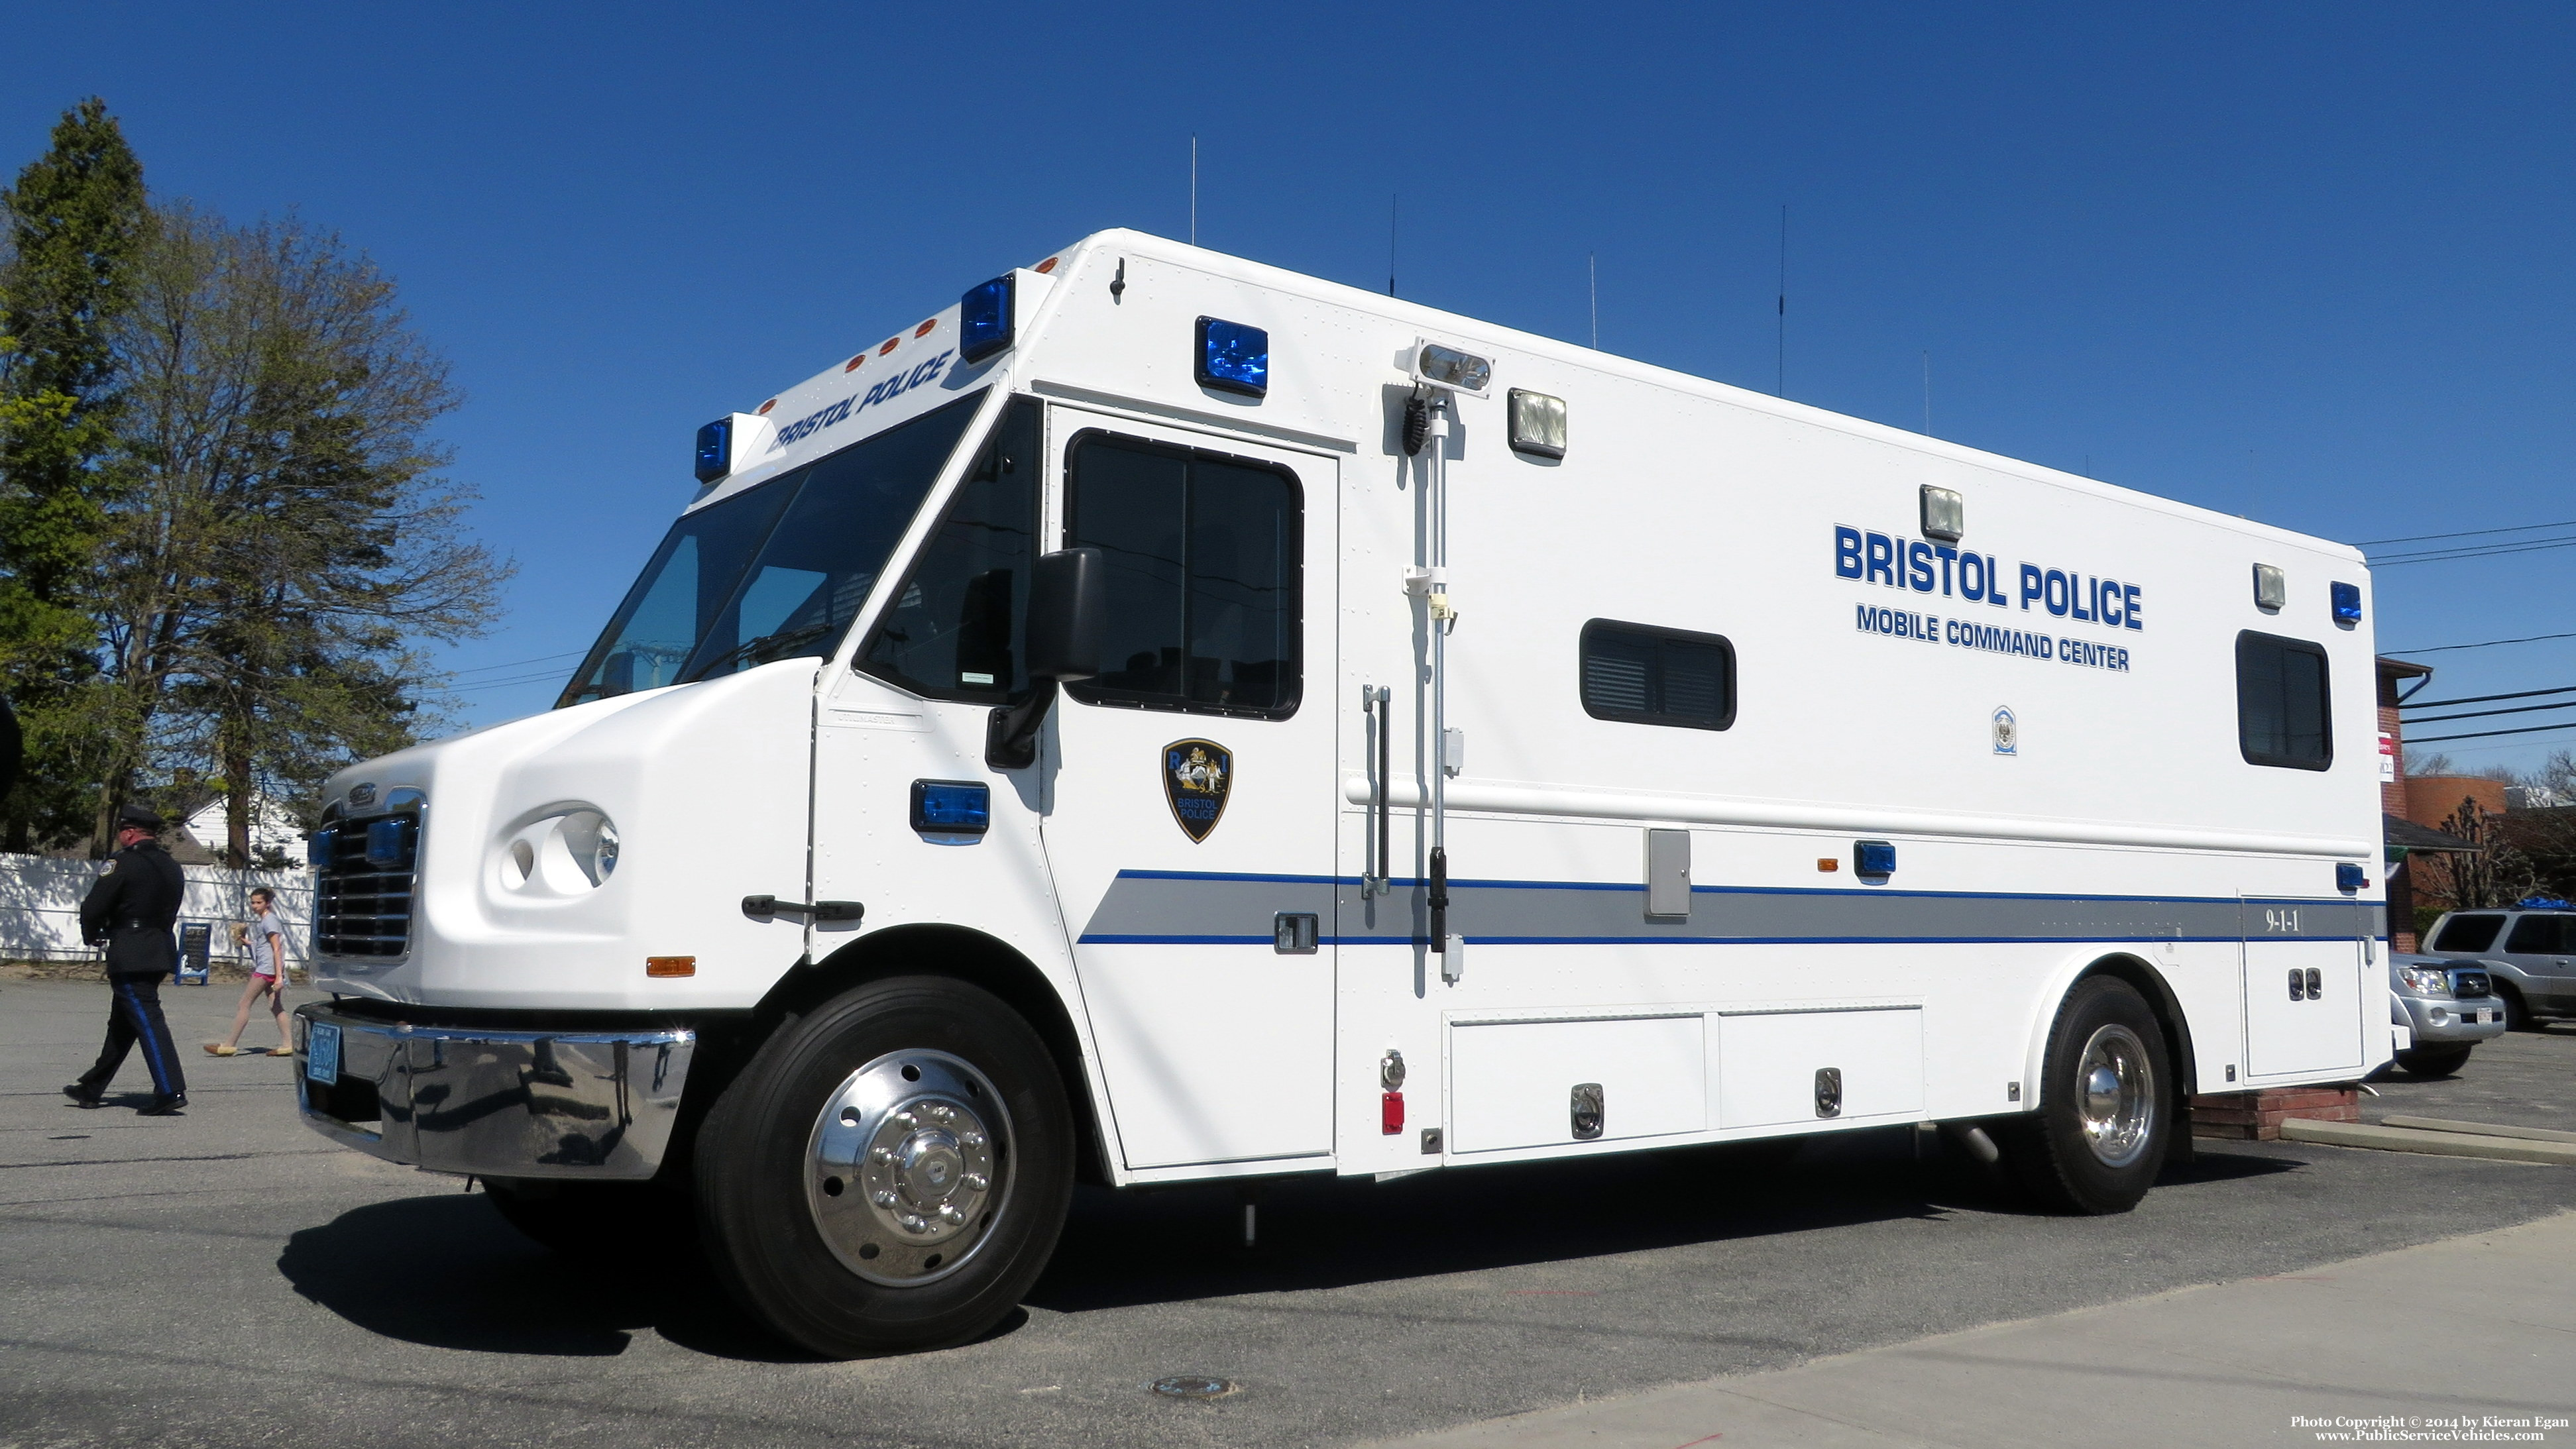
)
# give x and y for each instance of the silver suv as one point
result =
(2530, 951)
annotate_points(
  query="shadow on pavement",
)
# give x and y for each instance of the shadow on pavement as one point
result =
(1121, 1250)
(447, 1272)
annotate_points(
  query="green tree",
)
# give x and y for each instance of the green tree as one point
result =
(290, 534)
(73, 221)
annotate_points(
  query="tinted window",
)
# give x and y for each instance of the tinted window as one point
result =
(2539, 935)
(2281, 702)
(1643, 675)
(1203, 563)
(775, 572)
(2469, 933)
(954, 631)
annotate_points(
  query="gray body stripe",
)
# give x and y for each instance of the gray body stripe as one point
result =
(1182, 909)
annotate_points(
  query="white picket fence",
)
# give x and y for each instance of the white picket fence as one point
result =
(40, 906)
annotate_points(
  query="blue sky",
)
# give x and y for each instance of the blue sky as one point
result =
(2307, 263)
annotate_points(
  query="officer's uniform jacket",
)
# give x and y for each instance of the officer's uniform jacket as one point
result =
(131, 909)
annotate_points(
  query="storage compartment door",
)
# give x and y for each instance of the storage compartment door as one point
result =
(2303, 1007)
(1767, 1066)
(1535, 1083)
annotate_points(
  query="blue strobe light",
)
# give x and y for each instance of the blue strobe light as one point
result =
(2350, 877)
(318, 850)
(1873, 860)
(2347, 603)
(1233, 357)
(389, 841)
(951, 807)
(715, 450)
(984, 320)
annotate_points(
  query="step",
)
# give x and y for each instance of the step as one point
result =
(2438, 1144)
(2483, 1129)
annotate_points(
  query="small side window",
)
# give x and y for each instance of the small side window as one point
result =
(2537, 936)
(1638, 674)
(2281, 716)
(954, 631)
(2469, 933)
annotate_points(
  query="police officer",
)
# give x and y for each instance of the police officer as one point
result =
(130, 911)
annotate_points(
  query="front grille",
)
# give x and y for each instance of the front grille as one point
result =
(2470, 983)
(362, 906)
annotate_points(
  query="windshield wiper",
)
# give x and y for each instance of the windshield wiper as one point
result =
(750, 649)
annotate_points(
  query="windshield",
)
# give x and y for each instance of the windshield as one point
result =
(776, 572)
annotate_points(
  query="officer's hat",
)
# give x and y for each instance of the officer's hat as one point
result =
(138, 816)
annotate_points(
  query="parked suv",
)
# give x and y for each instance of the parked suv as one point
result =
(2530, 949)
(2447, 1007)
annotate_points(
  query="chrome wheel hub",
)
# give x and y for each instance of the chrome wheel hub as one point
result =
(2115, 1084)
(904, 1171)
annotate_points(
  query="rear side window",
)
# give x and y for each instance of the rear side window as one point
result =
(2281, 695)
(1639, 674)
(1204, 576)
(2538, 935)
(2469, 933)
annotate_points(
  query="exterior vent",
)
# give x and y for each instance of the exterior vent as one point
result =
(362, 898)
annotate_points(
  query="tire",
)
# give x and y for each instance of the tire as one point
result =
(589, 1220)
(2517, 1017)
(2433, 1061)
(2096, 1143)
(890, 1171)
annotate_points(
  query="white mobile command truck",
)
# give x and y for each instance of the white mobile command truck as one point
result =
(1166, 718)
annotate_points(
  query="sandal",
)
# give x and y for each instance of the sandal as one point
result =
(284, 1051)
(214, 1050)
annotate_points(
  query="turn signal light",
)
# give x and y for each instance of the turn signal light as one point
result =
(670, 965)
(1390, 1113)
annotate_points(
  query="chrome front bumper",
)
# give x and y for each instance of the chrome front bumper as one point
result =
(595, 1105)
(2453, 1024)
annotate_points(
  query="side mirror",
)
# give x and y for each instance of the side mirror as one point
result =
(1068, 614)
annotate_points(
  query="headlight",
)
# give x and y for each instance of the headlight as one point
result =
(2426, 980)
(566, 852)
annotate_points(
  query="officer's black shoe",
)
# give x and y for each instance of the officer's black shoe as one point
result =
(81, 1096)
(163, 1106)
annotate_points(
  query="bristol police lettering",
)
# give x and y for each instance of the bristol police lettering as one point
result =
(893, 387)
(1920, 567)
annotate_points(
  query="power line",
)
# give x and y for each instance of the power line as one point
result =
(521, 663)
(2495, 550)
(2492, 698)
(2483, 713)
(2483, 644)
(2469, 533)
(2487, 734)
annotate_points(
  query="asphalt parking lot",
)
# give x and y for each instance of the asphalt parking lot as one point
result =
(229, 1278)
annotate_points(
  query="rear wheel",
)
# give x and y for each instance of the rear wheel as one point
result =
(2432, 1061)
(2517, 1017)
(2104, 1119)
(890, 1171)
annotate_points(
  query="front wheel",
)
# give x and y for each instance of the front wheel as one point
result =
(890, 1171)
(2100, 1134)
(2432, 1061)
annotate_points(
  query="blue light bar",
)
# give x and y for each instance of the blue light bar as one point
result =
(984, 319)
(951, 807)
(715, 450)
(1233, 357)
(1873, 860)
(317, 850)
(389, 841)
(2350, 877)
(2347, 603)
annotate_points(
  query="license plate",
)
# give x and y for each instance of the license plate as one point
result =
(322, 1053)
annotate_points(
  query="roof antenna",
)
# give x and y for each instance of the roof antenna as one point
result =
(1194, 189)
(1927, 392)
(1780, 385)
(1390, 243)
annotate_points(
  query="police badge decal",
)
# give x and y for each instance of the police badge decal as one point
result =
(1197, 774)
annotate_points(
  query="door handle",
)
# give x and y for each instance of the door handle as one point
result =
(762, 908)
